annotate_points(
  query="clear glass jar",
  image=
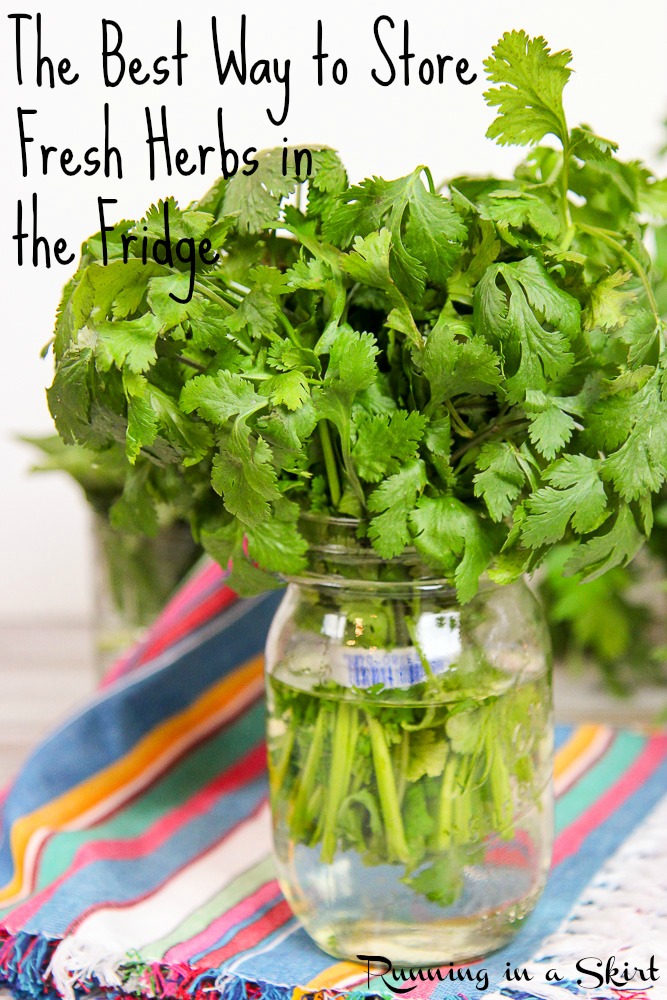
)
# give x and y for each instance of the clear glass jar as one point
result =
(134, 578)
(410, 755)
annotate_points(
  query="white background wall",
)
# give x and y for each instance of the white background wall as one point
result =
(620, 87)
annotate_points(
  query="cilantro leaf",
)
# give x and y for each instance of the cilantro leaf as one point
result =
(575, 496)
(168, 311)
(277, 546)
(368, 262)
(615, 547)
(221, 537)
(631, 424)
(500, 479)
(192, 440)
(220, 397)
(352, 366)
(128, 343)
(259, 310)
(312, 274)
(363, 209)
(551, 425)
(256, 204)
(407, 271)
(287, 356)
(607, 306)
(482, 251)
(448, 533)
(518, 209)
(641, 333)
(457, 366)
(586, 145)
(328, 182)
(392, 502)
(557, 306)
(142, 420)
(434, 232)
(533, 329)
(183, 223)
(69, 397)
(255, 199)
(427, 755)
(223, 541)
(117, 289)
(441, 882)
(286, 432)
(92, 248)
(427, 246)
(244, 475)
(289, 389)
(530, 98)
(462, 729)
(386, 441)
(640, 464)
(246, 579)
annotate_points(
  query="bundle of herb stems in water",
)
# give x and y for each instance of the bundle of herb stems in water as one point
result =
(476, 374)
(410, 783)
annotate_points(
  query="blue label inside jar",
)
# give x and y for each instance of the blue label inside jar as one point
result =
(395, 668)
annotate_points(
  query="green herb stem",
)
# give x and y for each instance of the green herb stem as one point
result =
(280, 766)
(389, 801)
(300, 817)
(289, 329)
(501, 788)
(330, 464)
(339, 779)
(444, 828)
(189, 363)
(462, 428)
(429, 177)
(351, 473)
(404, 758)
(218, 297)
(463, 816)
(565, 188)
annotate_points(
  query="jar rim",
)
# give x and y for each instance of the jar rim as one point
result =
(345, 549)
(388, 588)
(358, 550)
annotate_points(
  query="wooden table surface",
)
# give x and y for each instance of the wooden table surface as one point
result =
(45, 672)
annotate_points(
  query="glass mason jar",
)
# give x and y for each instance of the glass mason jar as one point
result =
(410, 755)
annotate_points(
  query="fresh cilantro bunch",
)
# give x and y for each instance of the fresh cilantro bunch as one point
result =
(479, 373)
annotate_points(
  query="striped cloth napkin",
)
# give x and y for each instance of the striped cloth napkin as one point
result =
(135, 844)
